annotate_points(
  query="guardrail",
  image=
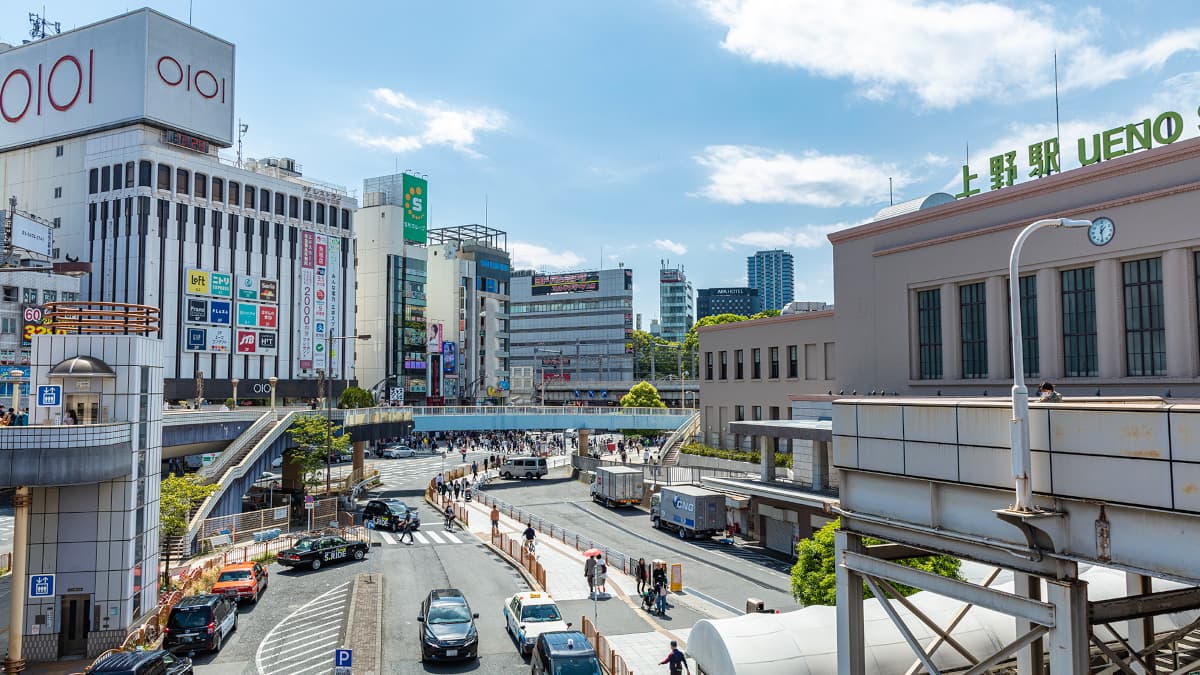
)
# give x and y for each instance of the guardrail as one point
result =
(610, 660)
(664, 475)
(688, 428)
(517, 551)
(224, 458)
(549, 410)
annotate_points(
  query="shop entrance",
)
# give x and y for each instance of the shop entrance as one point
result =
(86, 408)
(72, 638)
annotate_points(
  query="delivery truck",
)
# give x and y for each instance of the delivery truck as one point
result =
(688, 510)
(617, 485)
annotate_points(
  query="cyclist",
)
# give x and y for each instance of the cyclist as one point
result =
(529, 534)
(449, 517)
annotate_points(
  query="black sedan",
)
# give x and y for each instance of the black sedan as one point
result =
(314, 552)
(390, 513)
(448, 626)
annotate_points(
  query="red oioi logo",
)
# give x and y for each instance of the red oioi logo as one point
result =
(59, 85)
(201, 80)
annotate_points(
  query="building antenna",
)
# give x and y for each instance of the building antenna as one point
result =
(1057, 127)
(40, 24)
(485, 209)
(891, 198)
(242, 129)
(189, 12)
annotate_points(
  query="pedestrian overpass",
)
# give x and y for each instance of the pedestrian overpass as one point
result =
(249, 440)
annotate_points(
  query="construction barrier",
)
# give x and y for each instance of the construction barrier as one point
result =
(517, 551)
(610, 660)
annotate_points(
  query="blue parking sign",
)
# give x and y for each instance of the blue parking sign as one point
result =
(49, 395)
(41, 586)
(343, 658)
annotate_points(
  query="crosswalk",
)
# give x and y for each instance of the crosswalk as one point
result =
(422, 538)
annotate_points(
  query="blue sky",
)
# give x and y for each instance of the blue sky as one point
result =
(691, 130)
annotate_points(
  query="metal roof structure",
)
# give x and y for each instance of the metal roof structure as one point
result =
(479, 234)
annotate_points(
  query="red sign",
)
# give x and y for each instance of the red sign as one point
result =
(267, 317)
(59, 84)
(247, 342)
(321, 255)
(552, 377)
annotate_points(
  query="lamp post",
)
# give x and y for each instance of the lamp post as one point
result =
(273, 380)
(329, 338)
(1019, 429)
(16, 375)
(544, 350)
(234, 382)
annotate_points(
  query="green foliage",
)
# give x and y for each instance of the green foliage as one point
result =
(642, 395)
(313, 436)
(230, 403)
(692, 342)
(814, 574)
(356, 397)
(176, 497)
(666, 355)
(781, 458)
(765, 314)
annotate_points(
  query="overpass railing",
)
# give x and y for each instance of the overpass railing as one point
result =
(224, 459)
(663, 475)
(547, 410)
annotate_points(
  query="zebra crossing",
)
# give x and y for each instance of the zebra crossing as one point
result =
(422, 538)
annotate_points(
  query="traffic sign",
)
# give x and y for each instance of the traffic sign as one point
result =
(49, 395)
(309, 503)
(343, 658)
(41, 586)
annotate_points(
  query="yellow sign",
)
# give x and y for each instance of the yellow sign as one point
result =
(197, 282)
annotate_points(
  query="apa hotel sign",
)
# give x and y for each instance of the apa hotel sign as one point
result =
(141, 66)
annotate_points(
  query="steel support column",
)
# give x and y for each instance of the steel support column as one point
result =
(766, 453)
(1141, 631)
(1031, 660)
(1068, 640)
(851, 639)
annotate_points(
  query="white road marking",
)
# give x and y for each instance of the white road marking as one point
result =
(433, 535)
(420, 536)
(387, 537)
(299, 612)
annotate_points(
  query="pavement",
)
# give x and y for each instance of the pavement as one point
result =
(641, 650)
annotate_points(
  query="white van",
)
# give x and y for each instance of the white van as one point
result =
(526, 467)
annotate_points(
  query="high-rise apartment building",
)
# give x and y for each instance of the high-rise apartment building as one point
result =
(736, 300)
(676, 304)
(573, 327)
(773, 274)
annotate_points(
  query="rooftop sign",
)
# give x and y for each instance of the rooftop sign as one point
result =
(1044, 157)
(141, 66)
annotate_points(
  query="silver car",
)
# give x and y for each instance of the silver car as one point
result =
(397, 451)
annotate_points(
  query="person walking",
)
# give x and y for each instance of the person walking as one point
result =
(675, 662)
(475, 470)
(495, 518)
(406, 528)
(660, 590)
(646, 456)
(640, 573)
(601, 575)
(457, 489)
(589, 571)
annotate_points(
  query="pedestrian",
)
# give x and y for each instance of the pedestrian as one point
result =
(675, 662)
(601, 575)
(589, 571)
(640, 573)
(406, 528)
(495, 518)
(646, 456)
(660, 589)
(1046, 394)
(475, 470)
(457, 487)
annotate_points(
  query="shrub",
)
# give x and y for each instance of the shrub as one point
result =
(781, 458)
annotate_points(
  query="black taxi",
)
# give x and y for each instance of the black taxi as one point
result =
(314, 552)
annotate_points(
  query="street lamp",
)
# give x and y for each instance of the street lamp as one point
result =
(543, 368)
(1019, 431)
(16, 392)
(273, 380)
(329, 338)
(234, 382)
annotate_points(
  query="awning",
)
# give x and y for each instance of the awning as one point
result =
(808, 430)
(82, 366)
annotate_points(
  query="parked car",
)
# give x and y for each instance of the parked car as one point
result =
(269, 479)
(397, 451)
(313, 552)
(447, 626)
(528, 615)
(389, 513)
(527, 467)
(154, 662)
(242, 581)
(200, 622)
(564, 652)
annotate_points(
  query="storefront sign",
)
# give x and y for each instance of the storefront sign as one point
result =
(546, 284)
(416, 205)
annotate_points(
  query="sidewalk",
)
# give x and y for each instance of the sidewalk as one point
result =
(564, 565)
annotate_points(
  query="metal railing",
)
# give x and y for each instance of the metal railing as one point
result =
(680, 435)
(224, 458)
(549, 410)
(665, 475)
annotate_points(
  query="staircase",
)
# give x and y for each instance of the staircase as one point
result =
(238, 449)
(675, 441)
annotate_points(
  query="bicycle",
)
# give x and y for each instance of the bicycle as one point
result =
(531, 547)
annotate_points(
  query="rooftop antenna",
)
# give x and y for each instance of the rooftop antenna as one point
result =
(40, 24)
(1057, 127)
(891, 199)
(242, 129)
(189, 12)
(485, 209)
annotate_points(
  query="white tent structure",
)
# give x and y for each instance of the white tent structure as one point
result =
(804, 642)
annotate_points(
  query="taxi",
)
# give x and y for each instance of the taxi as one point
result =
(528, 615)
(242, 581)
(313, 552)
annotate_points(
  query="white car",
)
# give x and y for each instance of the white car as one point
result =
(528, 615)
(397, 451)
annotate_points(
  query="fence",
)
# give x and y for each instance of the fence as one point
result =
(517, 551)
(242, 526)
(664, 475)
(610, 660)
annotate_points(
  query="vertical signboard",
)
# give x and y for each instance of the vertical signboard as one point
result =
(208, 311)
(416, 208)
(308, 264)
(321, 303)
(449, 357)
(333, 290)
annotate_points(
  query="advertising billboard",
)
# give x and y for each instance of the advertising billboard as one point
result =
(210, 339)
(308, 263)
(256, 288)
(30, 235)
(35, 322)
(138, 66)
(333, 290)
(546, 284)
(321, 301)
(214, 284)
(449, 358)
(416, 206)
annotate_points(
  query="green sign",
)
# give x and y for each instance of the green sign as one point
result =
(416, 208)
(1043, 156)
(221, 284)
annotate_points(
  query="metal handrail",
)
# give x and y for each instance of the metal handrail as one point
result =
(217, 468)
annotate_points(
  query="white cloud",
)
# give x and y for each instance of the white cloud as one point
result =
(806, 236)
(740, 174)
(945, 54)
(532, 256)
(426, 124)
(671, 246)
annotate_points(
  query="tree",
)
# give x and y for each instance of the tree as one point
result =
(313, 436)
(642, 395)
(356, 397)
(176, 498)
(666, 355)
(766, 313)
(814, 574)
(691, 343)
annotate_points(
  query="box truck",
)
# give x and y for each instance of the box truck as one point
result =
(688, 510)
(617, 485)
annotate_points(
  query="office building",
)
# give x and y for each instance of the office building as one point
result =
(468, 269)
(574, 327)
(772, 273)
(736, 300)
(251, 265)
(676, 304)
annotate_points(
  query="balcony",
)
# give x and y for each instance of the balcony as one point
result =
(64, 455)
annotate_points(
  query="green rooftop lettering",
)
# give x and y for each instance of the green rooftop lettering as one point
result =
(1003, 170)
(1044, 158)
(1163, 130)
(967, 178)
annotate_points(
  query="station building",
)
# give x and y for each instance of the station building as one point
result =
(112, 133)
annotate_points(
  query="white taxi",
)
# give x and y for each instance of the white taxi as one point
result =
(528, 615)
